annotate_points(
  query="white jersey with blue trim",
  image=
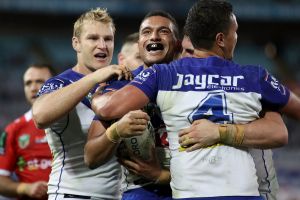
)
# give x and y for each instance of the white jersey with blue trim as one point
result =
(223, 92)
(66, 139)
(266, 173)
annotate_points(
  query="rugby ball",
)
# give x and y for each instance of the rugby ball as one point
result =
(141, 145)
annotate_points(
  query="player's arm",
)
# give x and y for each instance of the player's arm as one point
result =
(149, 169)
(102, 142)
(10, 188)
(267, 132)
(52, 106)
(98, 148)
(114, 106)
(292, 108)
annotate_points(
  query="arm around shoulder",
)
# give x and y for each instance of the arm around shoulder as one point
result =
(113, 106)
(53, 105)
(267, 132)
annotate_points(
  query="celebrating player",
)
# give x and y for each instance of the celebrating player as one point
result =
(209, 86)
(63, 107)
(158, 43)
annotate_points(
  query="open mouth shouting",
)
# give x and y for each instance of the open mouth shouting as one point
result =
(100, 56)
(153, 47)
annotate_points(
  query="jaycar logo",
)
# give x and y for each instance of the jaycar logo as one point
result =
(207, 81)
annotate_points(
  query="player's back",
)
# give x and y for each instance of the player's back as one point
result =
(223, 92)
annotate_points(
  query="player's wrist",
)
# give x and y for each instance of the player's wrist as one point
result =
(164, 177)
(22, 189)
(91, 79)
(231, 134)
(112, 133)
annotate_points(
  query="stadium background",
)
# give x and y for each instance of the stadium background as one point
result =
(41, 31)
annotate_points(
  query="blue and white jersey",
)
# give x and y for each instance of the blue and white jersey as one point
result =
(266, 173)
(129, 180)
(66, 139)
(223, 92)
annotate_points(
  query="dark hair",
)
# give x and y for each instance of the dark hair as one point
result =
(43, 65)
(205, 20)
(167, 15)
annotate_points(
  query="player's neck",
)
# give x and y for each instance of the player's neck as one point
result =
(204, 53)
(82, 70)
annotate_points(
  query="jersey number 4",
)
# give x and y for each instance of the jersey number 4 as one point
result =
(214, 108)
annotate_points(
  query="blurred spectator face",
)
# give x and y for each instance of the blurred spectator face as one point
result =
(157, 43)
(95, 45)
(130, 56)
(187, 47)
(33, 80)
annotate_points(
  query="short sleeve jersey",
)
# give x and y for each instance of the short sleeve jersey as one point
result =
(67, 138)
(25, 151)
(223, 92)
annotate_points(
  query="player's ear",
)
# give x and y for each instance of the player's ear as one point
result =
(76, 44)
(220, 39)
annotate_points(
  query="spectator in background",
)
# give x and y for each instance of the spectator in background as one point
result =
(24, 149)
(129, 55)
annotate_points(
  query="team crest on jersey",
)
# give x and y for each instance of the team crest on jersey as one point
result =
(48, 87)
(23, 141)
(144, 75)
(275, 84)
(2, 142)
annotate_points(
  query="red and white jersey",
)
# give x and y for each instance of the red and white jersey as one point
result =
(25, 151)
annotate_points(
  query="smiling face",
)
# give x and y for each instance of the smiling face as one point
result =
(157, 42)
(95, 45)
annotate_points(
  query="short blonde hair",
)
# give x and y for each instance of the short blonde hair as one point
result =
(97, 14)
